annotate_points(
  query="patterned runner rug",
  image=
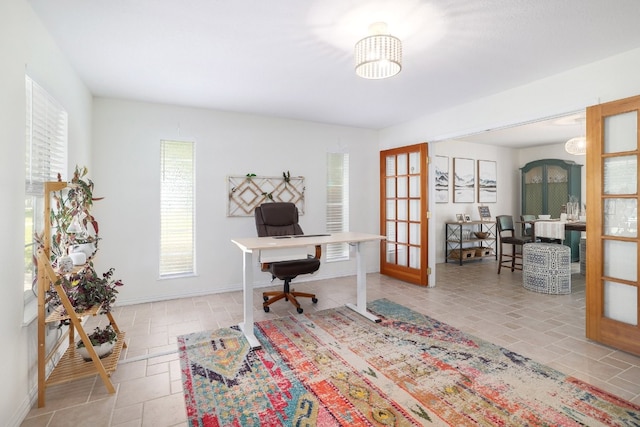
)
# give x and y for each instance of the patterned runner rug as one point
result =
(335, 368)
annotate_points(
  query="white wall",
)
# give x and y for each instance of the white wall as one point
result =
(124, 165)
(607, 80)
(26, 46)
(508, 186)
(127, 163)
(602, 81)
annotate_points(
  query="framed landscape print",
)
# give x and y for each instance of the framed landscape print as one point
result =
(464, 180)
(441, 164)
(487, 181)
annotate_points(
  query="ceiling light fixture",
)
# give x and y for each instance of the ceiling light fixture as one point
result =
(577, 145)
(379, 55)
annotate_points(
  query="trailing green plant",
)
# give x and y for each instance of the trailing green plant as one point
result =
(86, 289)
(72, 205)
(100, 336)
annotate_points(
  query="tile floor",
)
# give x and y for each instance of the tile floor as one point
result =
(472, 297)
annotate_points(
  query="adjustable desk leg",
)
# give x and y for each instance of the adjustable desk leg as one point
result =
(247, 291)
(361, 280)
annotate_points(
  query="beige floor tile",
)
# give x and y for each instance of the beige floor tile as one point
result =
(548, 328)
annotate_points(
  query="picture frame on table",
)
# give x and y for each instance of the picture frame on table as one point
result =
(485, 213)
(459, 217)
(467, 218)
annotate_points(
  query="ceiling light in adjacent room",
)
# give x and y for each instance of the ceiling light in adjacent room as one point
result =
(379, 55)
(577, 145)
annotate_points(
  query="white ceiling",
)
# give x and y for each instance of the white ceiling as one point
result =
(293, 58)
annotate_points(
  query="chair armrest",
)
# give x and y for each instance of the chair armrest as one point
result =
(265, 266)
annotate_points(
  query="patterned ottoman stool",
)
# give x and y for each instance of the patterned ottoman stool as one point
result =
(546, 268)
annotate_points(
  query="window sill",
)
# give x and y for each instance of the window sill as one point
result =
(30, 312)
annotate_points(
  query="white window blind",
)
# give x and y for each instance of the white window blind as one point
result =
(177, 208)
(337, 203)
(46, 157)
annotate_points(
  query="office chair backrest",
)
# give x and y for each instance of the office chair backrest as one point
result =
(277, 219)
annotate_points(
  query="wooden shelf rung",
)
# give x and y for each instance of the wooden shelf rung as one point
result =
(73, 367)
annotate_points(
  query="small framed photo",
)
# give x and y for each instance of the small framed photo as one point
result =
(460, 217)
(467, 218)
(485, 213)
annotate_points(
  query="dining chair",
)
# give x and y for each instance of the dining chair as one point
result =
(507, 236)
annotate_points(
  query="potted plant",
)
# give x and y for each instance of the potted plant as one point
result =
(86, 289)
(72, 225)
(102, 340)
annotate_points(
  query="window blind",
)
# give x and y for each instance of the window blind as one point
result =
(46, 138)
(177, 208)
(337, 203)
(46, 156)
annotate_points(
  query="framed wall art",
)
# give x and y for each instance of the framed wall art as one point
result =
(441, 164)
(464, 180)
(487, 181)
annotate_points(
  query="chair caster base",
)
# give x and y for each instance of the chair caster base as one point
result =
(266, 308)
(314, 300)
(299, 310)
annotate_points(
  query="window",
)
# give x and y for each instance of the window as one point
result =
(337, 203)
(177, 208)
(46, 156)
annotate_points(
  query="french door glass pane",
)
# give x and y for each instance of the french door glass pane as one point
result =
(414, 163)
(402, 164)
(414, 210)
(391, 209)
(618, 174)
(414, 257)
(403, 233)
(391, 165)
(414, 233)
(391, 187)
(414, 186)
(403, 211)
(620, 260)
(402, 256)
(391, 253)
(620, 217)
(402, 186)
(391, 231)
(620, 132)
(621, 302)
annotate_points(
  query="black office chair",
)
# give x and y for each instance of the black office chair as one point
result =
(507, 235)
(281, 219)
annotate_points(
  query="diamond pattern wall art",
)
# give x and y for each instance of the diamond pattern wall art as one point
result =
(247, 192)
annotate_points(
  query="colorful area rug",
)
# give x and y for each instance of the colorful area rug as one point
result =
(335, 368)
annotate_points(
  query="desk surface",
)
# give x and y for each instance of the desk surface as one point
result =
(249, 244)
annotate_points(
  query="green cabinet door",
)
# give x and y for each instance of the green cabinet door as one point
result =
(547, 186)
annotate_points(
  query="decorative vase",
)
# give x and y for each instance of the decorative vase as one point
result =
(102, 350)
(65, 264)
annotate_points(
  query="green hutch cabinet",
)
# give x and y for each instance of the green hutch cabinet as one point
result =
(547, 186)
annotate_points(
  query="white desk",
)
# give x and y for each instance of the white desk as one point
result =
(253, 245)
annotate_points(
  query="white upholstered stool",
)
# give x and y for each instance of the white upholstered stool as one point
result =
(546, 268)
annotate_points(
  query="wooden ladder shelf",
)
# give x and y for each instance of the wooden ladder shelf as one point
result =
(71, 365)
